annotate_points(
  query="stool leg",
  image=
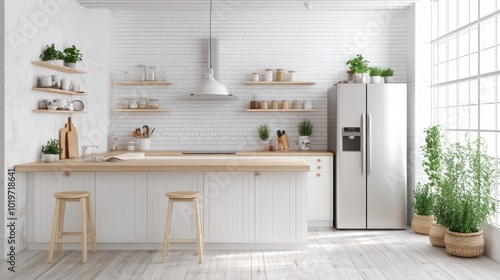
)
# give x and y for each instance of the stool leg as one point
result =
(60, 226)
(166, 237)
(83, 221)
(54, 228)
(91, 224)
(198, 229)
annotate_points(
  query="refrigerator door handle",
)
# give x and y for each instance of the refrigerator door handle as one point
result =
(363, 143)
(369, 145)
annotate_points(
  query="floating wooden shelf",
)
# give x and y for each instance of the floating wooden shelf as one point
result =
(58, 111)
(141, 110)
(59, 91)
(280, 110)
(143, 83)
(281, 83)
(58, 67)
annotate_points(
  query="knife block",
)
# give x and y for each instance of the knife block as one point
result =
(283, 144)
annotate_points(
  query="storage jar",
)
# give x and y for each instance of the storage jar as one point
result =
(280, 75)
(285, 104)
(255, 77)
(154, 104)
(263, 104)
(274, 104)
(143, 103)
(291, 76)
(269, 75)
(150, 73)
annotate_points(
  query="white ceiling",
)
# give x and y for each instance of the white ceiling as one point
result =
(316, 4)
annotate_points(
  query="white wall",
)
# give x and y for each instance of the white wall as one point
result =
(29, 26)
(2, 125)
(315, 43)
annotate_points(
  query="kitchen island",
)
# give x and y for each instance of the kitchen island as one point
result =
(249, 201)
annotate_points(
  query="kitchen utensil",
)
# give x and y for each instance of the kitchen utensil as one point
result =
(62, 141)
(152, 131)
(72, 140)
(78, 105)
(145, 131)
(139, 133)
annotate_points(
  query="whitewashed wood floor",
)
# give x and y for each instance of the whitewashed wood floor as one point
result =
(331, 254)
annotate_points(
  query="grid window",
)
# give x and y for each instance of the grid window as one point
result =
(466, 71)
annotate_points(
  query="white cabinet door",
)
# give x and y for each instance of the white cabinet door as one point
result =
(320, 190)
(281, 207)
(228, 207)
(121, 207)
(44, 185)
(183, 225)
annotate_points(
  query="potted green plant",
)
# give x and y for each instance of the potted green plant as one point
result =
(423, 207)
(71, 56)
(375, 74)
(305, 130)
(51, 54)
(359, 66)
(469, 178)
(388, 74)
(51, 151)
(264, 136)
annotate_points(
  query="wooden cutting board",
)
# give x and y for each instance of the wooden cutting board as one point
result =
(63, 142)
(72, 140)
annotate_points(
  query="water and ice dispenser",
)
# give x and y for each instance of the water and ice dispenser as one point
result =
(351, 139)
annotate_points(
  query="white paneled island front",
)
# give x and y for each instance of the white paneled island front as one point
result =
(247, 202)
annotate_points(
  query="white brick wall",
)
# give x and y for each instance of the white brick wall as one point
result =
(2, 127)
(315, 43)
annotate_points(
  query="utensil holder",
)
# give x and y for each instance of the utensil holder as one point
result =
(144, 144)
(283, 144)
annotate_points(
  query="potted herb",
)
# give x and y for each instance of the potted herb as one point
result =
(71, 56)
(388, 74)
(422, 207)
(375, 75)
(51, 151)
(264, 136)
(305, 130)
(466, 187)
(51, 54)
(359, 66)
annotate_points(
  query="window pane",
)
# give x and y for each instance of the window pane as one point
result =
(452, 70)
(473, 65)
(490, 139)
(474, 116)
(473, 92)
(473, 40)
(488, 89)
(435, 74)
(442, 97)
(463, 117)
(452, 118)
(452, 47)
(442, 117)
(452, 95)
(442, 11)
(487, 7)
(488, 60)
(463, 93)
(488, 118)
(434, 19)
(442, 73)
(463, 67)
(474, 5)
(463, 43)
(488, 34)
(442, 52)
(435, 54)
(452, 15)
(463, 12)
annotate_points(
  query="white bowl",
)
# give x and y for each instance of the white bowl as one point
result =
(52, 107)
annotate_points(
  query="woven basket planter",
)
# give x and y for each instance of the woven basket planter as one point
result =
(467, 245)
(436, 235)
(422, 224)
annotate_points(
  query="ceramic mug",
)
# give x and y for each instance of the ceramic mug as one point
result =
(74, 86)
(55, 81)
(62, 103)
(65, 84)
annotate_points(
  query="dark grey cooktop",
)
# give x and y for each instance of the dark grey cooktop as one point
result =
(209, 152)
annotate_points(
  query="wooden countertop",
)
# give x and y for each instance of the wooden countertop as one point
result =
(178, 165)
(238, 153)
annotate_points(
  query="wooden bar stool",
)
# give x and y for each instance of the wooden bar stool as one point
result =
(58, 222)
(183, 196)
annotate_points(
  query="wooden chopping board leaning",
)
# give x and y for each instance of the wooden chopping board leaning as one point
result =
(72, 140)
(63, 141)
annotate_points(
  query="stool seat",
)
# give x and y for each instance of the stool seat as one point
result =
(183, 194)
(71, 195)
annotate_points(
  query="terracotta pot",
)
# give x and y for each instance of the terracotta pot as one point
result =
(467, 245)
(422, 224)
(436, 235)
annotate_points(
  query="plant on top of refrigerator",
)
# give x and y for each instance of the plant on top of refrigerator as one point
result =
(375, 71)
(358, 64)
(387, 72)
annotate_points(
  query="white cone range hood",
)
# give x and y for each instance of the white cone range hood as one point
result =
(210, 86)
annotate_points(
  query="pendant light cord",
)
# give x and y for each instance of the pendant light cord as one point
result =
(210, 39)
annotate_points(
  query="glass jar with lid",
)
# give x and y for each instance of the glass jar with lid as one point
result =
(143, 103)
(154, 104)
(125, 103)
(269, 75)
(150, 73)
(133, 104)
(280, 75)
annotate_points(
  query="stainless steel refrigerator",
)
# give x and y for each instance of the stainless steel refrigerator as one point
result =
(367, 132)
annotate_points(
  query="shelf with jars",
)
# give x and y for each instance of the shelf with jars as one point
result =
(141, 110)
(280, 83)
(142, 104)
(143, 83)
(280, 110)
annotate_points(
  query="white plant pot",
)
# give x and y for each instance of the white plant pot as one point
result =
(49, 157)
(358, 79)
(58, 62)
(375, 79)
(389, 79)
(304, 143)
(366, 78)
(70, 65)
